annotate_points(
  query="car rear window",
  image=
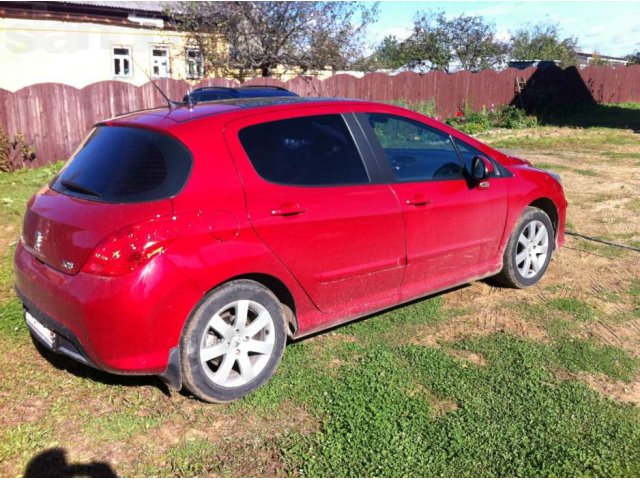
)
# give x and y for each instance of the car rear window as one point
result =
(124, 165)
(308, 151)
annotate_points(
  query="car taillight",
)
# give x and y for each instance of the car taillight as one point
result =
(132, 247)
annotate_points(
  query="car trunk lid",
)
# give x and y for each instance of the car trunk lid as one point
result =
(62, 231)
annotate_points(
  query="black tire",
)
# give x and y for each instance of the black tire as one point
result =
(197, 375)
(510, 276)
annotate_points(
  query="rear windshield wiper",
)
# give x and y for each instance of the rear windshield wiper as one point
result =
(74, 187)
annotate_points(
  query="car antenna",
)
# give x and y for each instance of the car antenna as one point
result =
(189, 99)
(170, 103)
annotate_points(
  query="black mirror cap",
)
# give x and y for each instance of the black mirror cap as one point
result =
(481, 168)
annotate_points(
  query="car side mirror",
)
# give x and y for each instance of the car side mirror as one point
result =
(481, 168)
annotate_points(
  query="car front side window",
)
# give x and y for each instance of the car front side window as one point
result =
(415, 151)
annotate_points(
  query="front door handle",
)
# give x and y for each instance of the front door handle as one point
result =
(483, 185)
(418, 200)
(287, 209)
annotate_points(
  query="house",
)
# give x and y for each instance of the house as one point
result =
(82, 42)
(588, 59)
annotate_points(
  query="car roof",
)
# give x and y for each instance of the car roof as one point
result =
(165, 117)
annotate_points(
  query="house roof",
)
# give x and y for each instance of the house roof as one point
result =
(144, 6)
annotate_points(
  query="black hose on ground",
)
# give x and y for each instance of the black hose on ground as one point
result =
(599, 240)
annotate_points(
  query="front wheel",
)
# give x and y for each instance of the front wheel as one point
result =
(529, 250)
(233, 343)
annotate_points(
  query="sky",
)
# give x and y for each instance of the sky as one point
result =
(608, 27)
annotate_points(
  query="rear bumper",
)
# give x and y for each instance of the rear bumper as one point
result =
(65, 343)
(124, 325)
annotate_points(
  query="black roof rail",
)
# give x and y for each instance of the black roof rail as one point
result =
(214, 87)
(265, 86)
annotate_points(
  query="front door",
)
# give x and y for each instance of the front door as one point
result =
(453, 226)
(311, 200)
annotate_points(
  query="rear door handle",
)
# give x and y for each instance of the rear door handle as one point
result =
(418, 200)
(287, 209)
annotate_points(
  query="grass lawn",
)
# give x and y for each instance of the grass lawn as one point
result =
(479, 381)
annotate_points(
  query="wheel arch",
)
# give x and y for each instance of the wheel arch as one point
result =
(549, 207)
(282, 293)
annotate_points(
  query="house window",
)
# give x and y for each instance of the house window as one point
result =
(160, 62)
(121, 61)
(195, 63)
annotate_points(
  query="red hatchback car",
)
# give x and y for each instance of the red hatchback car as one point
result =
(192, 242)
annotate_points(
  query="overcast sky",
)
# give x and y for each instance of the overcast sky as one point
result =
(610, 27)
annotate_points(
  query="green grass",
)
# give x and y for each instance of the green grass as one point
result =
(621, 155)
(574, 307)
(564, 168)
(191, 458)
(364, 399)
(23, 439)
(575, 139)
(514, 418)
(621, 116)
(12, 324)
(17, 187)
(608, 251)
(119, 425)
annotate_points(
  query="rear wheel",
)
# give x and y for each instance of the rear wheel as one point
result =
(529, 250)
(233, 343)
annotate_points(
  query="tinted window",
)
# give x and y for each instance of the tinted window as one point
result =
(304, 151)
(122, 164)
(415, 151)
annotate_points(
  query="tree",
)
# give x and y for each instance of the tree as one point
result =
(436, 42)
(240, 38)
(474, 43)
(634, 58)
(427, 46)
(542, 42)
(391, 53)
(598, 61)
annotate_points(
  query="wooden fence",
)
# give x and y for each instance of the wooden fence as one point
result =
(55, 117)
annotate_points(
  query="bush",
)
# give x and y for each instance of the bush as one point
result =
(425, 108)
(503, 117)
(16, 153)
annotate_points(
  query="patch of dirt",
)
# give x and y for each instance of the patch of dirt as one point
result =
(485, 321)
(616, 390)
(8, 236)
(443, 406)
(467, 356)
(625, 335)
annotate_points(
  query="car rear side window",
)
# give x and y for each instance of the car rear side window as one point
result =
(125, 165)
(308, 151)
(416, 152)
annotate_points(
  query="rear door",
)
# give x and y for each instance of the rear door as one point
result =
(314, 198)
(453, 226)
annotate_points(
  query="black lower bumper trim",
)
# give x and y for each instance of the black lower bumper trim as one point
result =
(66, 343)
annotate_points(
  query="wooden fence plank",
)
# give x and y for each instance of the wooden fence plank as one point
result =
(55, 118)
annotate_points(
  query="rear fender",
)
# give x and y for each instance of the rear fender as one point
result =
(209, 263)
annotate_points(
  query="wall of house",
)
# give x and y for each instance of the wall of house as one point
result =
(78, 54)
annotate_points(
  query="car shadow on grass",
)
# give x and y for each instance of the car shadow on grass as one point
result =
(78, 369)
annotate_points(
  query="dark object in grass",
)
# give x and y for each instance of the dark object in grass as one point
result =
(606, 242)
(52, 463)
